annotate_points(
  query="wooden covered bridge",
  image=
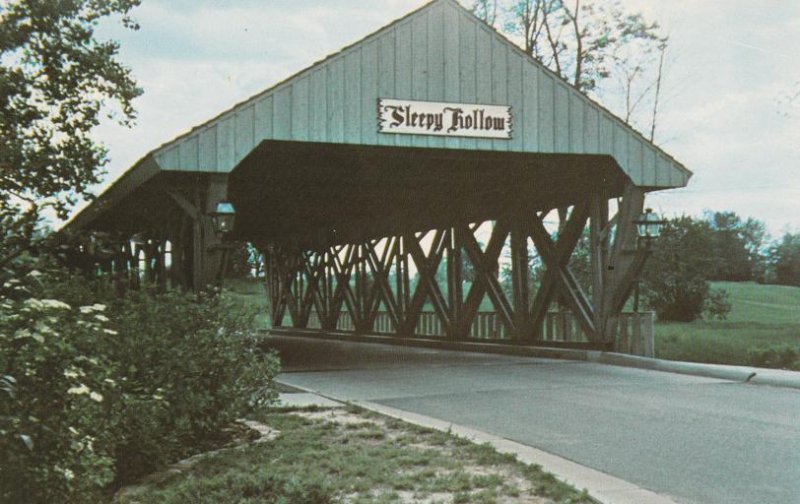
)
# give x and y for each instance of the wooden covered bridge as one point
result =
(383, 184)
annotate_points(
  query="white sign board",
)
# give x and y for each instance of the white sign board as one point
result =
(444, 119)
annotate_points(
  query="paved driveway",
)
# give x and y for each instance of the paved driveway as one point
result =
(698, 440)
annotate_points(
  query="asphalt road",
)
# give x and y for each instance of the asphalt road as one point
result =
(697, 440)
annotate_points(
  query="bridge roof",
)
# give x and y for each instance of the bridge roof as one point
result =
(438, 53)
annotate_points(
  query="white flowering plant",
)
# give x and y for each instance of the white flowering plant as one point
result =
(53, 409)
(98, 389)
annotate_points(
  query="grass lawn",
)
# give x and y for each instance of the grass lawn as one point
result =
(762, 329)
(350, 455)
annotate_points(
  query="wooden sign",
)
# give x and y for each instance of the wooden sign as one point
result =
(444, 119)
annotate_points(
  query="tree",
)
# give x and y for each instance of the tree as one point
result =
(56, 82)
(486, 10)
(674, 280)
(597, 47)
(737, 247)
(785, 260)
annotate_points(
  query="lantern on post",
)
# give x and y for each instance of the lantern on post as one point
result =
(223, 218)
(649, 225)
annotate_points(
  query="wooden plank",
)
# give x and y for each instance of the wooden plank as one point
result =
(467, 68)
(300, 108)
(188, 153)
(483, 77)
(403, 70)
(386, 76)
(335, 99)
(526, 119)
(486, 282)
(282, 114)
(369, 93)
(547, 121)
(436, 61)
(576, 123)
(500, 76)
(244, 133)
(263, 119)
(567, 241)
(352, 96)
(452, 63)
(562, 117)
(427, 267)
(207, 160)
(591, 128)
(516, 102)
(225, 136)
(318, 120)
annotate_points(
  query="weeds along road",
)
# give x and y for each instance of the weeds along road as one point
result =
(698, 440)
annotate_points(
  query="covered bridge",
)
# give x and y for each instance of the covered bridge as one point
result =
(365, 179)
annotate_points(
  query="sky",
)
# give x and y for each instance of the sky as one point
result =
(731, 110)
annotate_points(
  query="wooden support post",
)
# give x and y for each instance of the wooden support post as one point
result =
(519, 278)
(598, 247)
(455, 283)
(567, 241)
(625, 261)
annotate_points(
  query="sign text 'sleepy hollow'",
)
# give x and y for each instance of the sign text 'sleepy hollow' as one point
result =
(444, 119)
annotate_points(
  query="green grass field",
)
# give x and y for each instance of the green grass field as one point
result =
(762, 329)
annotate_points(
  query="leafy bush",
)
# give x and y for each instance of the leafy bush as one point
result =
(96, 393)
(717, 304)
(54, 422)
(191, 369)
(675, 276)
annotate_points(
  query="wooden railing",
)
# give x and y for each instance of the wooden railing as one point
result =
(634, 336)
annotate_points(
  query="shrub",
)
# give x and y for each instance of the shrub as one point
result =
(191, 369)
(54, 422)
(717, 305)
(94, 394)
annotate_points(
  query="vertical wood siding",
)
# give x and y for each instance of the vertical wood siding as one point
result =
(440, 53)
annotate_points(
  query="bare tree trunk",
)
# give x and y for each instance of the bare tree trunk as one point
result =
(659, 76)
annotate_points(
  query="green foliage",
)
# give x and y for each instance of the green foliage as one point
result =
(100, 392)
(196, 355)
(675, 276)
(717, 304)
(54, 427)
(785, 259)
(56, 79)
(737, 246)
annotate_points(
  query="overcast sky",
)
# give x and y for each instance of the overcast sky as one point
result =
(729, 114)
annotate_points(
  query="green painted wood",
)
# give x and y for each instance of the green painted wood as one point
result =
(441, 52)
(188, 153)
(369, 93)
(386, 76)
(436, 62)
(318, 122)
(466, 68)
(263, 118)
(300, 110)
(352, 95)
(546, 128)
(526, 118)
(335, 105)
(282, 114)
(244, 140)
(403, 69)
(577, 129)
